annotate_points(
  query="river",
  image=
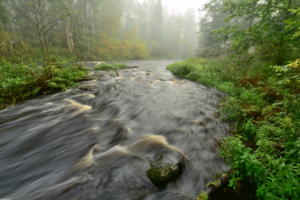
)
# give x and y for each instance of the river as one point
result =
(98, 143)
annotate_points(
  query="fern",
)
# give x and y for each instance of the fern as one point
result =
(52, 85)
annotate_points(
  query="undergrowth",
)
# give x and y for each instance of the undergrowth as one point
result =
(19, 82)
(110, 66)
(264, 103)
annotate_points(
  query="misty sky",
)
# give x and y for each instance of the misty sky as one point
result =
(183, 5)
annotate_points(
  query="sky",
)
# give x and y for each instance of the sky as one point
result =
(182, 6)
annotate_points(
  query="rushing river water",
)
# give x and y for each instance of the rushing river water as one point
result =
(98, 143)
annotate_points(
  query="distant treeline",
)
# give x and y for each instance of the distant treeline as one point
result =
(93, 30)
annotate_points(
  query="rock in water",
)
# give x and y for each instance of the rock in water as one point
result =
(160, 177)
(85, 78)
(86, 87)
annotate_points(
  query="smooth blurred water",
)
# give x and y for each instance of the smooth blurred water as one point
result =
(99, 144)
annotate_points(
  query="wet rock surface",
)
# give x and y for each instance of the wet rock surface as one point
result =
(161, 176)
(86, 88)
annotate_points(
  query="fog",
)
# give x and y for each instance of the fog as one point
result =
(181, 6)
(102, 29)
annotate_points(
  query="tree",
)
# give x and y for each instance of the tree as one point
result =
(189, 34)
(43, 19)
(157, 22)
(266, 31)
(96, 29)
(4, 18)
(212, 19)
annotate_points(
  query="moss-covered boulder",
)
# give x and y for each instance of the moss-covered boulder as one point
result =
(160, 177)
(203, 196)
(84, 78)
(86, 87)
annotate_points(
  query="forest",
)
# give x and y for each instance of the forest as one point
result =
(247, 49)
(58, 32)
(94, 30)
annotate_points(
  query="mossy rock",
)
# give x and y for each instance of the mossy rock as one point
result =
(85, 88)
(160, 177)
(85, 78)
(76, 93)
(203, 196)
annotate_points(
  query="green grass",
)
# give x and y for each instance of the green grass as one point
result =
(265, 107)
(110, 66)
(19, 82)
(218, 74)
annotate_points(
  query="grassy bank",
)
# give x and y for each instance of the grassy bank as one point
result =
(19, 82)
(264, 103)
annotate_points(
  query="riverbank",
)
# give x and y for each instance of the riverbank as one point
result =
(264, 103)
(20, 82)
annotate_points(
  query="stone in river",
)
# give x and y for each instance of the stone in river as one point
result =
(160, 177)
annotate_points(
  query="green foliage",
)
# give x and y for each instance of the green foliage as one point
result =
(273, 166)
(212, 18)
(202, 196)
(267, 29)
(110, 66)
(180, 69)
(276, 158)
(241, 159)
(290, 72)
(249, 127)
(19, 82)
(264, 102)
(294, 23)
(208, 72)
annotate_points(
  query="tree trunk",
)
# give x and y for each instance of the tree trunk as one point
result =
(40, 39)
(72, 42)
(282, 37)
(45, 39)
(67, 34)
(250, 26)
(11, 47)
(93, 23)
(86, 27)
(23, 45)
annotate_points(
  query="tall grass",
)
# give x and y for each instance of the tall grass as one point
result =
(216, 73)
